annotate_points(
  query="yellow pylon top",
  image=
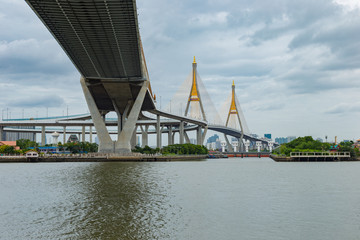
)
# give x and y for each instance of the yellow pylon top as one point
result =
(233, 83)
(233, 105)
(194, 93)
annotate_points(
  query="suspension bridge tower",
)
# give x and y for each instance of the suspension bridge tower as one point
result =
(194, 106)
(234, 116)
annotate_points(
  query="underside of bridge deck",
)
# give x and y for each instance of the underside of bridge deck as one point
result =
(102, 39)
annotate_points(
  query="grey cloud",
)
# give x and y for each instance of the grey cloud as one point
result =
(32, 55)
(343, 108)
(37, 101)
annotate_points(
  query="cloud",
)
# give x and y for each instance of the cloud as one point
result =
(37, 101)
(209, 19)
(27, 56)
(290, 59)
(344, 108)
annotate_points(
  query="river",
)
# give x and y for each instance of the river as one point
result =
(215, 199)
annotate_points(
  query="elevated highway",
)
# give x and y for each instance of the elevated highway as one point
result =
(102, 39)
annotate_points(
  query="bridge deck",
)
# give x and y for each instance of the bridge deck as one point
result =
(100, 36)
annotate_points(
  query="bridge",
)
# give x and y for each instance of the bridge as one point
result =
(102, 39)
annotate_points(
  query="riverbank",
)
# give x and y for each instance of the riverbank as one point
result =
(290, 159)
(102, 158)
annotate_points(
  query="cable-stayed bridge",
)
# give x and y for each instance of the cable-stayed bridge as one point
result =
(102, 39)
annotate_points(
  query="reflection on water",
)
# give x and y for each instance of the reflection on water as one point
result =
(215, 199)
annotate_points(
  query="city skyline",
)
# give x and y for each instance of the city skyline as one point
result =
(296, 72)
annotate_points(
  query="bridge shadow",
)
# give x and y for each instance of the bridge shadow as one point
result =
(125, 201)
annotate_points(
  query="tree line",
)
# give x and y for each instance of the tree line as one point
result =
(178, 149)
(308, 144)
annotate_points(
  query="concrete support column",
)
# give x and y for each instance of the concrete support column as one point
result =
(170, 136)
(106, 144)
(1, 133)
(173, 138)
(123, 143)
(241, 145)
(198, 136)
(144, 136)
(83, 134)
(91, 133)
(230, 148)
(43, 136)
(181, 132)
(204, 134)
(158, 132)
(133, 139)
(64, 135)
(187, 139)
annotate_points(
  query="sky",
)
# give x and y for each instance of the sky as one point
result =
(295, 64)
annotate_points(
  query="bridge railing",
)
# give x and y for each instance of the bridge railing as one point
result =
(320, 154)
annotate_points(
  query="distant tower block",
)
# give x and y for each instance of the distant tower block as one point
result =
(194, 103)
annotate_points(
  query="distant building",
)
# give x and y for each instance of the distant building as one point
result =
(212, 138)
(73, 138)
(357, 143)
(290, 138)
(213, 142)
(267, 135)
(9, 143)
(282, 140)
(13, 136)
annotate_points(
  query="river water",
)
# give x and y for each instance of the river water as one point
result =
(215, 199)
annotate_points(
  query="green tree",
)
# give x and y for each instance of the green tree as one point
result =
(302, 144)
(25, 144)
(7, 149)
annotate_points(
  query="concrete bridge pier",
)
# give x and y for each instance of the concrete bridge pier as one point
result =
(181, 132)
(158, 132)
(173, 138)
(187, 139)
(123, 143)
(1, 133)
(230, 148)
(170, 135)
(199, 136)
(144, 135)
(83, 134)
(64, 135)
(106, 144)
(126, 130)
(43, 136)
(133, 139)
(241, 145)
(91, 133)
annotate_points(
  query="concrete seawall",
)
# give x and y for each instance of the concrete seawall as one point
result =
(103, 158)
